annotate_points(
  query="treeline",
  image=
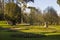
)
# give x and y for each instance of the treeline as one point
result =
(14, 14)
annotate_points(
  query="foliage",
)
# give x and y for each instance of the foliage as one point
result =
(1, 11)
(50, 15)
(58, 1)
(15, 14)
(35, 16)
(25, 18)
(12, 12)
(26, 0)
(1, 15)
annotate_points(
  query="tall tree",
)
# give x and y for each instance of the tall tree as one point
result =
(50, 15)
(32, 15)
(1, 10)
(35, 16)
(12, 13)
(24, 2)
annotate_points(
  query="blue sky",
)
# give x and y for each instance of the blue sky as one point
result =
(42, 4)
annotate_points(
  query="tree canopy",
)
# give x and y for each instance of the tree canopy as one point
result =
(12, 12)
(58, 1)
(26, 0)
(50, 15)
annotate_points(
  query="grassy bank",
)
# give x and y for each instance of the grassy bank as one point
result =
(24, 32)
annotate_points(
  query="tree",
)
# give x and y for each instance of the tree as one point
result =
(1, 15)
(32, 15)
(35, 16)
(26, 18)
(58, 1)
(1, 10)
(50, 15)
(12, 13)
(9, 9)
(24, 2)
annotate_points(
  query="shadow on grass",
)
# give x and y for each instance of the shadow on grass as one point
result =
(12, 34)
(52, 37)
(27, 35)
(20, 34)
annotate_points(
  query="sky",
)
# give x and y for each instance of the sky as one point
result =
(43, 4)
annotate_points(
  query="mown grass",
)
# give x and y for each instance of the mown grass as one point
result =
(27, 31)
(7, 36)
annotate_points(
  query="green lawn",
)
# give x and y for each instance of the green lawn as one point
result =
(33, 32)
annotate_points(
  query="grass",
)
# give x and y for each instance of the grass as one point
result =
(7, 36)
(36, 32)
